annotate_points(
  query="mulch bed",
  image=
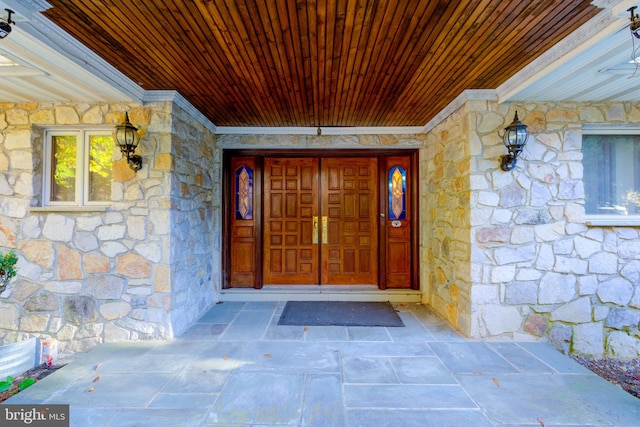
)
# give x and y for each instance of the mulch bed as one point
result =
(37, 373)
(623, 373)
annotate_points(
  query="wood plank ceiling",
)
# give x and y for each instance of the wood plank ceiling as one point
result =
(319, 62)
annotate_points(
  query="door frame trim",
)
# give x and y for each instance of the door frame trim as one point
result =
(260, 154)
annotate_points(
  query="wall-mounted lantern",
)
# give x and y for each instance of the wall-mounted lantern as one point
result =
(126, 136)
(515, 137)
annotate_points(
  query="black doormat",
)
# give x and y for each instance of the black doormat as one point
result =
(339, 313)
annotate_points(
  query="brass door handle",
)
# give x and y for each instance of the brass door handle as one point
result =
(314, 238)
(325, 230)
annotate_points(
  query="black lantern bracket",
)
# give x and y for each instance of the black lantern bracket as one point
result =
(127, 138)
(514, 138)
(5, 24)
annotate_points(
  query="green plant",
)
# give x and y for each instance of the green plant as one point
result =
(6, 385)
(27, 382)
(7, 268)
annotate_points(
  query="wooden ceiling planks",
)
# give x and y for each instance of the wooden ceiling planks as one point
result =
(319, 62)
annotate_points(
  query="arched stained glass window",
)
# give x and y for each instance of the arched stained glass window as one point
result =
(397, 193)
(244, 196)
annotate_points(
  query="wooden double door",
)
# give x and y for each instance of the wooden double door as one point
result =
(317, 220)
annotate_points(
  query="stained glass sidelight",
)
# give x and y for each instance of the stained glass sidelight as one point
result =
(244, 199)
(397, 193)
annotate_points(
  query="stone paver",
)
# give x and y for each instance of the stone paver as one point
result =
(237, 367)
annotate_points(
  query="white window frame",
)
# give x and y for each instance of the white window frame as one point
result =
(81, 198)
(612, 129)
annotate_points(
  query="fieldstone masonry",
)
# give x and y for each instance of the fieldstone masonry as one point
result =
(509, 253)
(502, 254)
(140, 269)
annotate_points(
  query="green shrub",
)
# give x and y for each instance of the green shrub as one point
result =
(7, 268)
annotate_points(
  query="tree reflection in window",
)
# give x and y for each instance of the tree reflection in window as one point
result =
(63, 185)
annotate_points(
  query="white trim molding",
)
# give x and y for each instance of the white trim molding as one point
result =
(320, 130)
(176, 98)
(463, 98)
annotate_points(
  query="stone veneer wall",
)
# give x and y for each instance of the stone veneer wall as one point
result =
(135, 271)
(192, 203)
(445, 225)
(537, 268)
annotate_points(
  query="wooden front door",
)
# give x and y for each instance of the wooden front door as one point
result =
(314, 218)
(349, 221)
(320, 221)
(290, 207)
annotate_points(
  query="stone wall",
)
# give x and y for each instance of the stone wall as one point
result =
(445, 225)
(136, 270)
(538, 269)
(192, 230)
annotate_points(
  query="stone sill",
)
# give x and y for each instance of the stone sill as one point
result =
(613, 221)
(78, 209)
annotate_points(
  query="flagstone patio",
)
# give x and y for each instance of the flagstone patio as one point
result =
(238, 367)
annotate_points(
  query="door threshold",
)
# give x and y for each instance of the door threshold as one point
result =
(321, 293)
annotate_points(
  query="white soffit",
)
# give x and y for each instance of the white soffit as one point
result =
(53, 66)
(590, 65)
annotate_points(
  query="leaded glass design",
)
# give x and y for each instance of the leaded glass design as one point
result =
(397, 193)
(244, 185)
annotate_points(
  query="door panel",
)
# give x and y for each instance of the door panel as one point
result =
(321, 220)
(349, 203)
(290, 203)
(244, 238)
(398, 223)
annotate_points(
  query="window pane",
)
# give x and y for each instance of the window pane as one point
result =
(100, 167)
(611, 174)
(63, 168)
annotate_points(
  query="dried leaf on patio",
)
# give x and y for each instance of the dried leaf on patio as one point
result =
(496, 382)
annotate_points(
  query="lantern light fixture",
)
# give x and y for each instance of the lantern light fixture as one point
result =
(514, 138)
(634, 26)
(5, 24)
(127, 138)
